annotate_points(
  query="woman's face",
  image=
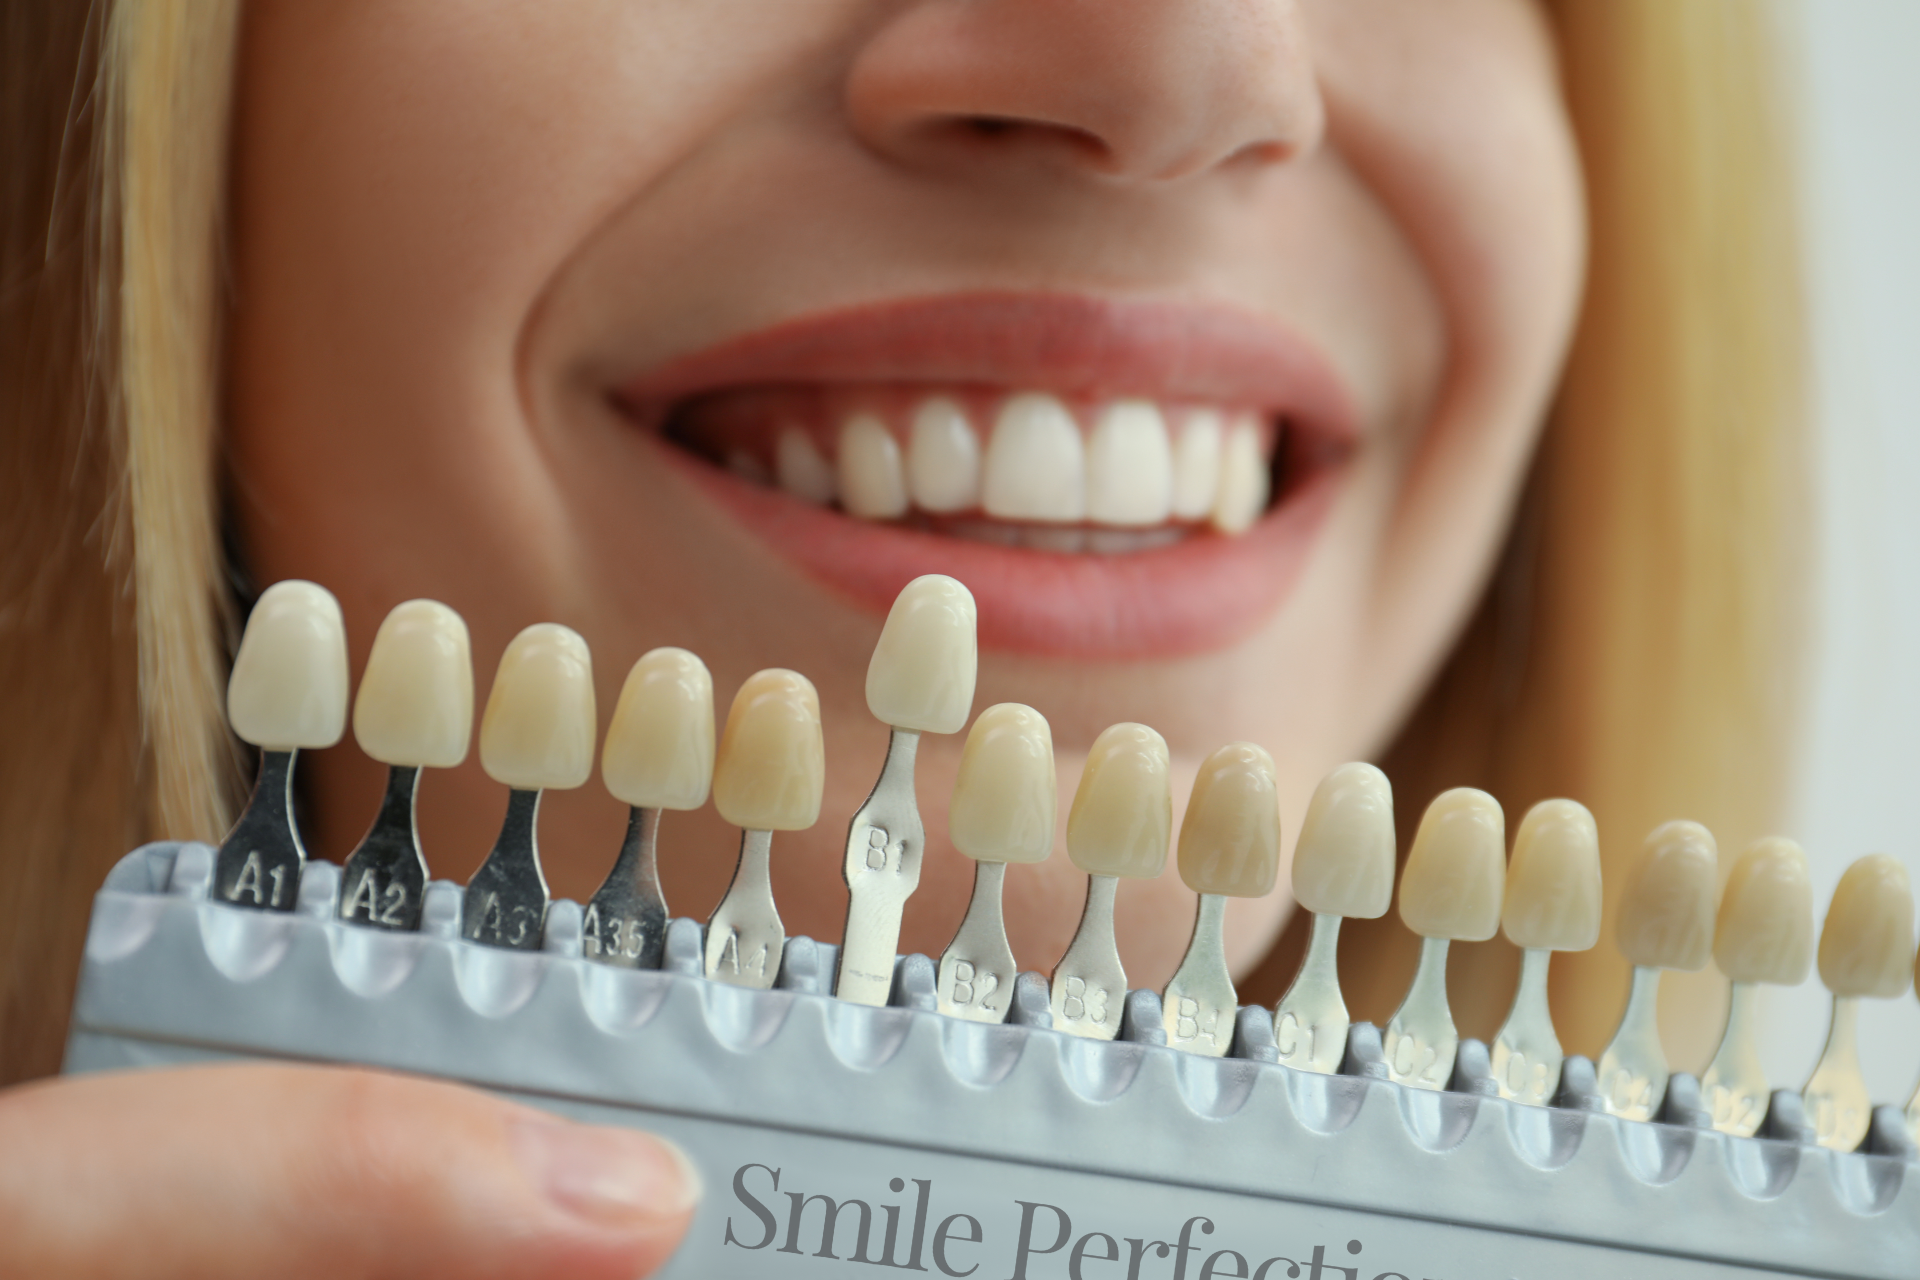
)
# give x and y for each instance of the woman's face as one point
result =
(713, 322)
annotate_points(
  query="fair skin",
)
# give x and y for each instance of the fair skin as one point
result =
(512, 281)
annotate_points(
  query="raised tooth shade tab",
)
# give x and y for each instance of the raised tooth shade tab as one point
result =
(659, 748)
(943, 457)
(1343, 866)
(1229, 847)
(770, 769)
(538, 730)
(1764, 933)
(1451, 890)
(1036, 466)
(288, 690)
(415, 703)
(1244, 482)
(924, 666)
(1552, 904)
(1129, 465)
(873, 480)
(1866, 951)
(1196, 465)
(1002, 811)
(802, 470)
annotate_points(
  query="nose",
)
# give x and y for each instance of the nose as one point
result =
(1143, 91)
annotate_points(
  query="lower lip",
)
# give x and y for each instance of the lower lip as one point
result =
(1195, 597)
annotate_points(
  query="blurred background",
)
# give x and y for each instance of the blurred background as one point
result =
(1859, 776)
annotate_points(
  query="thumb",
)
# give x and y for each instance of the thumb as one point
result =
(244, 1171)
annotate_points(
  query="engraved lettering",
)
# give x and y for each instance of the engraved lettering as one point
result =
(962, 982)
(396, 901)
(249, 880)
(279, 877)
(362, 888)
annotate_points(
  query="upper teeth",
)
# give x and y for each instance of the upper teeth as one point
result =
(1128, 471)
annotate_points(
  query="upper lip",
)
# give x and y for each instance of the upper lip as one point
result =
(1071, 344)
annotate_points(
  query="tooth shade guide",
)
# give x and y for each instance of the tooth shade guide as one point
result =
(1838, 1105)
(745, 938)
(1420, 1040)
(1345, 859)
(1526, 1056)
(539, 729)
(1089, 988)
(384, 881)
(506, 901)
(659, 747)
(1199, 1004)
(1734, 1086)
(1310, 1023)
(977, 970)
(625, 923)
(1453, 885)
(288, 688)
(1633, 1072)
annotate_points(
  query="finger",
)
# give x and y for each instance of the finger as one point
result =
(245, 1171)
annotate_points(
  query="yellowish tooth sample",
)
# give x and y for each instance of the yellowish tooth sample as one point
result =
(1666, 913)
(1866, 946)
(923, 669)
(1122, 815)
(538, 730)
(1230, 836)
(1764, 933)
(415, 704)
(1003, 806)
(771, 766)
(1552, 904)
(659, 749)
(288, 690)
(1454, 880)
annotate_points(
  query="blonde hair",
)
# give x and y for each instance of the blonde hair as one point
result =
(1632, 651)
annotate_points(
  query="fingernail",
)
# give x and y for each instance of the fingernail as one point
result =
(612, 1177)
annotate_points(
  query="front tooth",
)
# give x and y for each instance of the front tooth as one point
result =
(1666, 913)
(771, 765)
(873, 484)
(1122, 814)
(415, 704)
(289, 684)
(659, 751)
(538, 730)
(1129, 465)
(1243, 480)
(1866, 946)
(1553, 881)
(943, 458)
(923, 668)
(802, 470)
(1003, 805)
(1036, 466)
(1344, 860)
(1196, 465)
(1230, 836)
(1455, 877)
(1765, 928)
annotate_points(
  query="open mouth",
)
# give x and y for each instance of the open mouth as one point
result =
(1111, 479)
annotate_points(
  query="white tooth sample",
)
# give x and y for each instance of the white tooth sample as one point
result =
(1003, 806)
(1764, 932)
(1230, 835)
(289, 685)
(1666, 913)
(1553, 883)
(943, 458)
(923, 669)
(802, 470)
(538, 730)
(873, 482)
(1122, 815)
(1866, 945)
(415, 703)
(659, 750)
(1243, 479)
(1454, 881)
(1343, 863)
(1036, 467)
(1129, 465)
(1196, 465)
(771, 766)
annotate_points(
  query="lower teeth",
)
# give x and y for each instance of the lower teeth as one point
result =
(1065, 539)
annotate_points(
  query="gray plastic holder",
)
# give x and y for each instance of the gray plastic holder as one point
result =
(836, 1138)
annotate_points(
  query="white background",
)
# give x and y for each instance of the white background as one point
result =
(1859, 778)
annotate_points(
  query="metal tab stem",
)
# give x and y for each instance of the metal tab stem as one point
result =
(506, 901)
(977, 971)
(1735, 1085)
(1089, 985)
(385, 879)
(1526, 1052)
(745, 938)
(259, 862)
(1838, 1105)
(1310, 1022)
(1421, 1042)
(884, 844)
(1199, 1005)
(626, 920)
(1633, 1071)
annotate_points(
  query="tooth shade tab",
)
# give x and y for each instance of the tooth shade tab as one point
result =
(1245, 484)
(538, 730)
(415, 703)
(1343, 862)
(1230, 835)
(1129, 465)
(659, 749)
(1553, 879)
(1122, 814)
(288, 689)
(771, 766)
(943, 457)
(1866, 946)
(923, 669)
(873, 478)
(1036, 465)
(802, 470)
(1454, 881)
(1004, 800)
(1666, 913)
(1196, 464)
(1764, 932)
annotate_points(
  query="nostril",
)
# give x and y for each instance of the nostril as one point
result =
(1009, 135)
